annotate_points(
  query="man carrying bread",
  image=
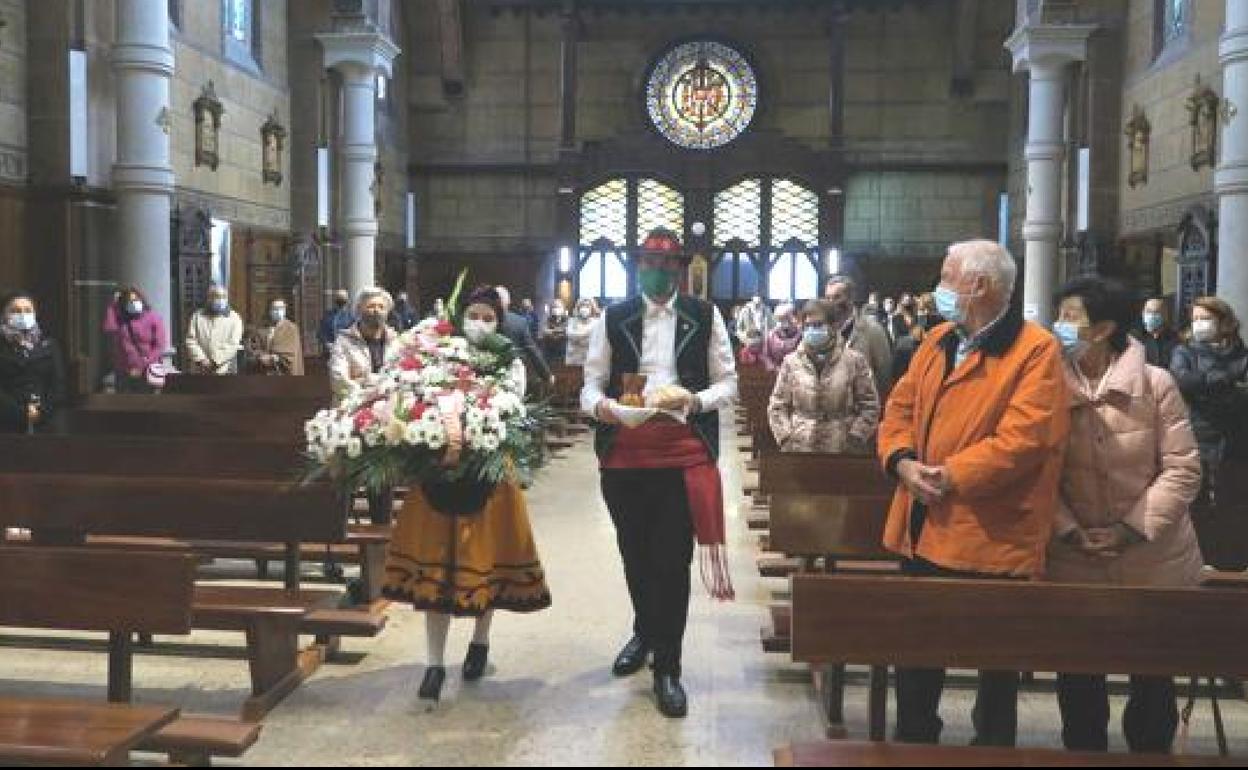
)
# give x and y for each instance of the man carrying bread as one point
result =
(660, 480)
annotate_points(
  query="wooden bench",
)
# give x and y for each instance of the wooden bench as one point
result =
(249, 386)
(65, 507)
(133, 402)
(1014, 626)
(206, 457)
(121, 594)
(878, 754)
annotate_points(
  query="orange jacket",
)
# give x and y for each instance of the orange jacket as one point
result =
(998, 423)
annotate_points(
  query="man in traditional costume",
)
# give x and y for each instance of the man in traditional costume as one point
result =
(660, 480)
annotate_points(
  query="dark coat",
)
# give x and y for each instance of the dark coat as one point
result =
(1158, 350)
(1215, 383)
(39, 373)
(516, 329)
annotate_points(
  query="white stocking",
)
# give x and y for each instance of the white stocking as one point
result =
(481, 631)
(437, 626)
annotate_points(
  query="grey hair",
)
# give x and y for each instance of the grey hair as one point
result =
(373, 292)
(505, 295)
(987, 258)
(840, 278)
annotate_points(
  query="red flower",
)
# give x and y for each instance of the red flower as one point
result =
(364, 418)
(444, 328)
(418, 410)
(411, 363)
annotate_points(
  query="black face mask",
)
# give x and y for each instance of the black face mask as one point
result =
(340, 303)
(373, 320)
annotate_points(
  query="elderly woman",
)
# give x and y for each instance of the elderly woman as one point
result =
(466, 550)
(1131, 472)
(274, 346)
(359, 352)
(825, 398)
(783, 339)
(32, 371)
(555, 333)
(580, 325)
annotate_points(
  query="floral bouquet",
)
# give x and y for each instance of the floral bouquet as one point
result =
(440, 411)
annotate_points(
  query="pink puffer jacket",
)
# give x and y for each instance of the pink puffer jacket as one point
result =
(1132, 458)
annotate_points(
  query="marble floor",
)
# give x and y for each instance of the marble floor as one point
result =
(549, 698)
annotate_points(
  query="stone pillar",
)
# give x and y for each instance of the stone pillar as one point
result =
(359, 57)
(1045, 50)
(1231, 180)
(142, 175)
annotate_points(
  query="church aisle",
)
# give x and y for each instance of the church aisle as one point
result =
(549, 697)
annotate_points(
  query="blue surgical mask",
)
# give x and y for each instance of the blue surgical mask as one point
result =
(219, 306)
(947, 305)
(1153, 322)
(278, 314)
(22, 322)
(816, 337)
(135, 307)
(1067, 333)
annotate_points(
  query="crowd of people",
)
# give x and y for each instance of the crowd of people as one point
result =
(1073, 454)
(1070, 453)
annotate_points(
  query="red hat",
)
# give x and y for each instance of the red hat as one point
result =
(663, 243)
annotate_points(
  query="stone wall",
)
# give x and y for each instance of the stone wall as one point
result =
(13, 92)
(235, 190)
(1161, 86)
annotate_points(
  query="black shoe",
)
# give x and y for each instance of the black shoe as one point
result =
(474, 663)
(632, 658)
(670, 696)
(431, 687)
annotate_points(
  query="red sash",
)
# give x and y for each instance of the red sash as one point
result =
(667, 444)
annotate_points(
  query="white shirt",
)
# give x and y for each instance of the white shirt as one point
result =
(658, 358)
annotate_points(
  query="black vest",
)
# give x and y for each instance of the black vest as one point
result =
(694, 322)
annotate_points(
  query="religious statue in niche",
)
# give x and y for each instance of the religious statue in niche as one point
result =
(208, 112)
(698, 268)
(1202, 108)
(1138, 131)
(273, 137)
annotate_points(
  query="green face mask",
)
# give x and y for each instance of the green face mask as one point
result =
(656, 282)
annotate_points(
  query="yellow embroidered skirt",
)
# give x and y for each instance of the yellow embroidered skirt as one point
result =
(468, 564)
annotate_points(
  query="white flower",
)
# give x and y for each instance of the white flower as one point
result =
(353, 447)
(372, 437)
(414, 434)
(490, 443)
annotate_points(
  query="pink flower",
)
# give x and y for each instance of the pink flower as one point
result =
(411, 363)
(418, 410)
(445, 328)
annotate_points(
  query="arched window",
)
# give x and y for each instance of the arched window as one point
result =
(766, 239)
(615, 217)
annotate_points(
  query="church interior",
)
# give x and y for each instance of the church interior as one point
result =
(810, 349)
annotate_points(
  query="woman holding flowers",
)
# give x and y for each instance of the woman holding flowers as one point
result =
(447, 417)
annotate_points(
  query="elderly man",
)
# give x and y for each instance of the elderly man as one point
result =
(861, 331)
(1156, 333)
(660, 480)
(214, 334)
(273, 347)
(337, 319)
(974, 433)
(515, 327)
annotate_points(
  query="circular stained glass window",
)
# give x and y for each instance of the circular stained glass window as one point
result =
(701, 94)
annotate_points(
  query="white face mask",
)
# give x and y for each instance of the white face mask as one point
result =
(476, 330)
(22, 322)
(1205, 330)
(278, 314)
(583, 312)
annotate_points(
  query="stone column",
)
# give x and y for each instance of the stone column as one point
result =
(142, 175)
(359, 57)
(1231, 180)
(1045, 51)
